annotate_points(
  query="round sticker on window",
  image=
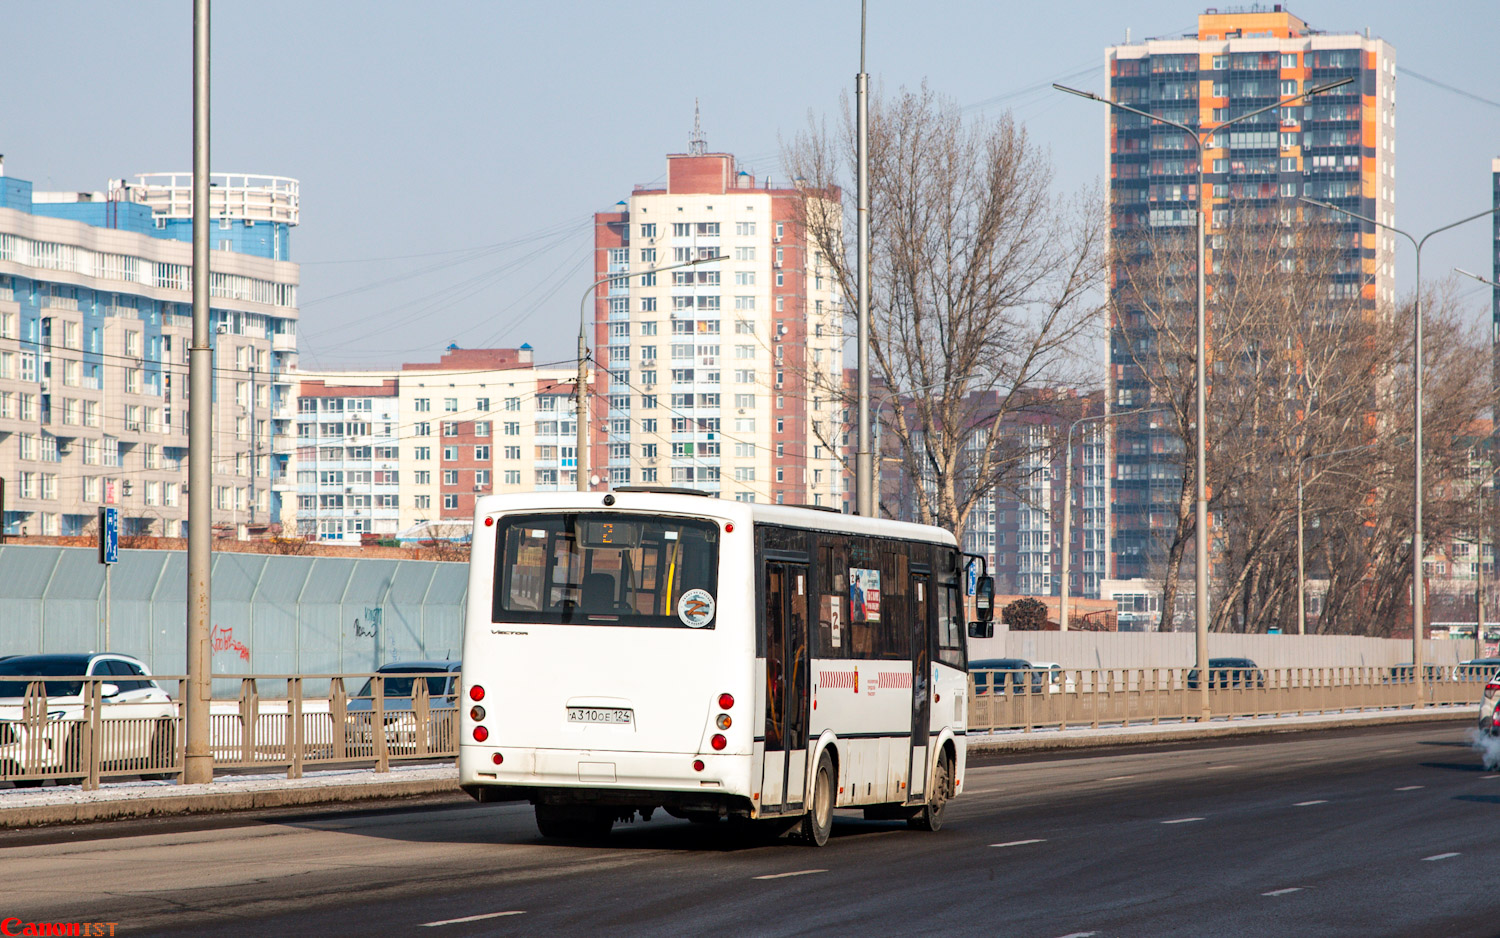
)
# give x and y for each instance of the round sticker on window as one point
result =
(696, 608)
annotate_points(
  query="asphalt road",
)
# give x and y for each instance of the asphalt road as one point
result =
(1388, 831)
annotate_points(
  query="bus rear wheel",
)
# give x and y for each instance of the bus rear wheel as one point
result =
(930, 816)
(573, 822)
(818, 822)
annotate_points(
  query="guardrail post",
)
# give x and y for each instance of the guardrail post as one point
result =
(93, 735)
(249, 717)
(421, 709)
(338, 712)
(377, 724)
(294, 726)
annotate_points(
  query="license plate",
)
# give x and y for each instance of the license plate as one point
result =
(598, 715)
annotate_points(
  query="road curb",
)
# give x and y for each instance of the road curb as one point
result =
(1051, 740)
(178, 805)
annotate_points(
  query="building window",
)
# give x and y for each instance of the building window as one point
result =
(648, 230)
(450, 404)
(482, 453)
(450, 502)
(450, 476)
(450, 428)
(744, 229)
(423, 405)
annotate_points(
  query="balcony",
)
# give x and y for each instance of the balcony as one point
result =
(284, 342)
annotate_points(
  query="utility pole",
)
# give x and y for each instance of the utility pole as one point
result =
(864, 457)
(198, 763)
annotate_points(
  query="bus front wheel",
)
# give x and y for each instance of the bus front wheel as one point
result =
(818, 822)
(930, 816)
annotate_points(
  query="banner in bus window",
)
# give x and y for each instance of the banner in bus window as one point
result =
(829, 620)
(864, 595)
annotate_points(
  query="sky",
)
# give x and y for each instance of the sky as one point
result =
(451, 155)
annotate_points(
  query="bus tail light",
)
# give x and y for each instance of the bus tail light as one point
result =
(497, 758)
(718, 742)
(724, 721)
(476, 693)
(476, 713)
(481, 734)
(726, 701)
(697, 765)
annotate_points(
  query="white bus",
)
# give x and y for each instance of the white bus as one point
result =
(646, 649)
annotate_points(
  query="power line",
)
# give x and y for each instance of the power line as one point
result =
(1447, 87)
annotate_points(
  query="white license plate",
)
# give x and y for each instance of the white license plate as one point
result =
(599, 715)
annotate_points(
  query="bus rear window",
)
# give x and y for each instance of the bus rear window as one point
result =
(600, 568)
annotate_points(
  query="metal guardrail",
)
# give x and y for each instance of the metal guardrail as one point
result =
(1031, 699)
(86, 737)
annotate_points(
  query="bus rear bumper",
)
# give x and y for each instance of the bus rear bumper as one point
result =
(602, 770)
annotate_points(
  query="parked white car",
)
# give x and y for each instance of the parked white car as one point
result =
(138, 722)
(1058, 681)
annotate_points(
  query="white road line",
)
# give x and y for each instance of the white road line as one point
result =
(1182, 820)
(470, 918)
(1118, 778)
(1282, 892)
(1304, 804)
(1439, 856)
(1080, 934)
(784, 875)
(1225, 766)
(1020, 843)
(1411, 787)
(981, 791)
(1483, 777)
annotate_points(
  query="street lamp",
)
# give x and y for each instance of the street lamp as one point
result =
(581, 418)
(1067, 525)
(1417, 545)
(1201, 375)
(1301, 570)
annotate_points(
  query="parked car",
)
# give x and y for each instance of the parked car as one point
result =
(1401, 673)
(1012, 673)
(400, 680)
(148, 740)
(1476, 669)
(1052, 674)
(1229, 672)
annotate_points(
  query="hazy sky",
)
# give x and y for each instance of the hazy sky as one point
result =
(451, 154)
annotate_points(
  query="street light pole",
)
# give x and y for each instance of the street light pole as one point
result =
(1417, 544)
(866, 498)
(1200, 538)
(1067, 525)
(581, 395)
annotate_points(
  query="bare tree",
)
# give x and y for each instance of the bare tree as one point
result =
(982, 283)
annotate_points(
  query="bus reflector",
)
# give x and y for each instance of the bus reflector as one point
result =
(697, 765)
(476, 693)
(718, 742)
(497, 758)
(481, 734)
(726, 701)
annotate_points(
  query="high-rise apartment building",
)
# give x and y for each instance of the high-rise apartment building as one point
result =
(95, 323)
(382, 453)
(724, 376)
(1337, 147)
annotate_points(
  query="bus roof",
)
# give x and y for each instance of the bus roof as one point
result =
(696, 505)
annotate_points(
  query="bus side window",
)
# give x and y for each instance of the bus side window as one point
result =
(950, 625)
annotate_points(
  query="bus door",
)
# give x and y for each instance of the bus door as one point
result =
(921, 690)
(784, 777)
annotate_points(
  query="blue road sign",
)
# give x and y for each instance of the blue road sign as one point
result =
(109, 535)
(973, 578)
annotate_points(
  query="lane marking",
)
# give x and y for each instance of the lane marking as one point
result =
(1411, 787)
(981, 791)
(1482, 777)
(1282, 892)
(470, 918)
(1183, 820)
(1439, 856)
(1225, 766)
(1020, 843)
(784, 875)
(1118, 778)
(1303, 804)
(1080, 934)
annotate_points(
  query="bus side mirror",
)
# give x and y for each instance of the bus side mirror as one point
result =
(981, 629)
(984, 598)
